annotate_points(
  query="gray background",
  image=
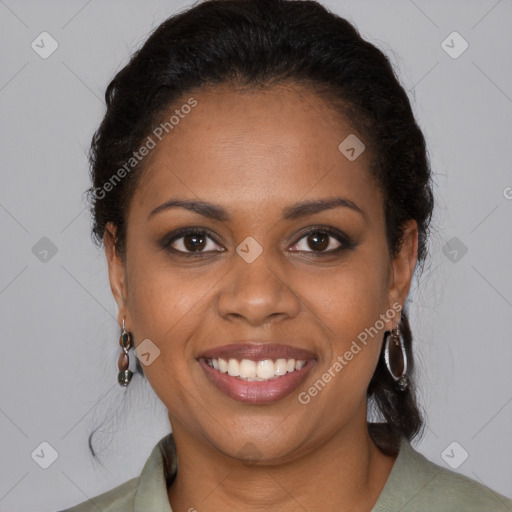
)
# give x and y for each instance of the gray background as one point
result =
(59, 333)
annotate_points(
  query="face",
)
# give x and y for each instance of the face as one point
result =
(258, 278)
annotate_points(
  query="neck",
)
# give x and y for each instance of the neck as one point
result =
(346, 472)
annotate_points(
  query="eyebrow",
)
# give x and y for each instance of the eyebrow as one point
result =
(292, 212)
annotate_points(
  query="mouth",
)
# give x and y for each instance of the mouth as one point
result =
(256, 373)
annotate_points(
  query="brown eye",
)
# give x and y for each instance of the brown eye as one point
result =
(318, 241)
(322, 241)
(193, 241)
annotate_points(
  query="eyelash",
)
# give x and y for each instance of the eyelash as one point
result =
(344, 240)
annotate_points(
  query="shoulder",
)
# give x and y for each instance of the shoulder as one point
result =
(418, 485)
(119, 498)
(145, 492)
(448, 490)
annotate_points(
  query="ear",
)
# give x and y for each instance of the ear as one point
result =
(402, 266)
(116, 271)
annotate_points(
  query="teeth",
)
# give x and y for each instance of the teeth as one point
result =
(250, 370)
(223, 365)
(233, 368)
(280, 367)
(247, 369)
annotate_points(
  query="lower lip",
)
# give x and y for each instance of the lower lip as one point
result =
(257, 392)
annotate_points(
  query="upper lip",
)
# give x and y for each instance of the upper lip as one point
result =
(257, 351)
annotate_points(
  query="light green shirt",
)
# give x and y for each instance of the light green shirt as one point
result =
(414, 485)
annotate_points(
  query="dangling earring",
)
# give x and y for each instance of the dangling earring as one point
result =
(394, 352)
(125, 375)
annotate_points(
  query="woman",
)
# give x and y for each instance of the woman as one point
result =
(264, 196)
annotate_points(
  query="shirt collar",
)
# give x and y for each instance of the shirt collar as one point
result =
(151, 494)
(411, 472)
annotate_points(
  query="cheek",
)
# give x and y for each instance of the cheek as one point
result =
(352, 297)
(170, 305)
(350, 304)
(162, 294)
(167, 308)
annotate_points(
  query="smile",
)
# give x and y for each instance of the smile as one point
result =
(257, 373)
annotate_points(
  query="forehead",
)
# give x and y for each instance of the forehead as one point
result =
(253, 148)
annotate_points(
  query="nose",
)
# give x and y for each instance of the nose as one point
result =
(257, 293)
